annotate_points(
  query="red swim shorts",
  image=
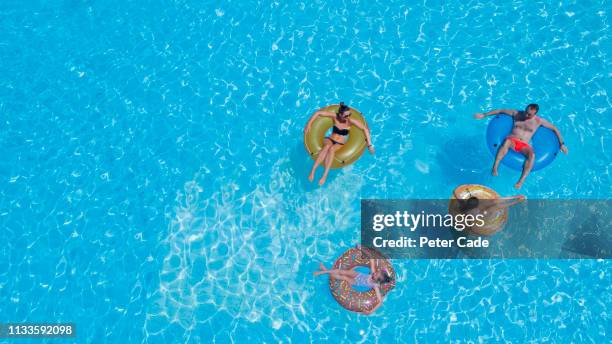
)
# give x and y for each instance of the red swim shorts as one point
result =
(518, 144)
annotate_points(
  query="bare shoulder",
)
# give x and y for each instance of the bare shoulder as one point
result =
(542, 121)
(356, 123)
(545, 123)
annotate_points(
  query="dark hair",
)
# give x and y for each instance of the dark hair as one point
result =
(468, 204)
(342, 108)
(533, 106)
(385, 278)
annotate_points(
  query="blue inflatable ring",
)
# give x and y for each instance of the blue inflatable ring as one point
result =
(545, 144)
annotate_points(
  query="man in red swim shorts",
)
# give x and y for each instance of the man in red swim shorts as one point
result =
(525, 125)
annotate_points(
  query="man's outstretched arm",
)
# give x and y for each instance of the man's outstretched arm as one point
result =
(495, 112)
(547, 124)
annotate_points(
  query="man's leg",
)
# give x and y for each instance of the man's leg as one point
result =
(528, 152)
(501, 153)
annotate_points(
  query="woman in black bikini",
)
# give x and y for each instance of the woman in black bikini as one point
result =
(342, 124)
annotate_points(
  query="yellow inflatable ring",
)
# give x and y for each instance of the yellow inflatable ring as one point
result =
(352, 149)
(494, 222)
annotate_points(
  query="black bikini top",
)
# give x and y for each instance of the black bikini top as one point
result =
(339, 131)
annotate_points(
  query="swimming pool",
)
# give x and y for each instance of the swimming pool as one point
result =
(154, 177)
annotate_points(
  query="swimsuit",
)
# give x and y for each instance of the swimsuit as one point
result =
(363, 280)
(334, 142)
(341, 132)
(518, 144)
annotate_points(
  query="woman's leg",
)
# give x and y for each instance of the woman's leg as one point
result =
(329, 159)
(322, 154)
(338, 272)
(322, 270)
(346, 273)
(350, 280)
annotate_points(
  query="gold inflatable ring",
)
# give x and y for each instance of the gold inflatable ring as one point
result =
(493, 222)
(351, 150)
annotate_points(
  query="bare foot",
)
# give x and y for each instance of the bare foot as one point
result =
(518, 185)
(322, 180)
(311, 177)
(494, 172)
(322, 268)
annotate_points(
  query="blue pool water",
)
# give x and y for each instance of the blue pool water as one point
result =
(153, 177)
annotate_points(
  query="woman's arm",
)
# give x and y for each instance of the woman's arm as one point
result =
(513, 199)
(366, 131)
(503, 202)
(456, 194)
(314, 116)
(495, 112)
